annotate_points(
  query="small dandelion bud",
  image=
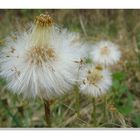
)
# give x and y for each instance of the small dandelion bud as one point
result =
(44, 20)
(95, 81)
(105, 53)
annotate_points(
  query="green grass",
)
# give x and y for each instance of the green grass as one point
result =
(123, 100)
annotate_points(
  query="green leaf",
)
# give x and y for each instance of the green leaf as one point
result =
(127, 104)
(118, 76)
(137, 120)
(2, 82)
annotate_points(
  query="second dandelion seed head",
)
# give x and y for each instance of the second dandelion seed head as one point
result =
(96, 81)
(94, 75)
(105, 53)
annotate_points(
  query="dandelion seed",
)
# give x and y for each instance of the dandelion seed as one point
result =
(105, 53)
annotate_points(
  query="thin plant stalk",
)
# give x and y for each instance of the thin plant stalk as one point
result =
(105, 117)
(47, 113)
(105, 109)
(77, 93)
(77, 101)
(94, 120)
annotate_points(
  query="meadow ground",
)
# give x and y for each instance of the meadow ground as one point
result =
(123, 100)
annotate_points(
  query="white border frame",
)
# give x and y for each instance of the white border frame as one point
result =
(63, 4)
(68, 134)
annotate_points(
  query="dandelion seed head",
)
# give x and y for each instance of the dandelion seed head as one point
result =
(105, 53)
(95, 81)
(41, 61)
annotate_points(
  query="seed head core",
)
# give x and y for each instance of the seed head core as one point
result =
(105, 50)
(94, 76)
(39, 55)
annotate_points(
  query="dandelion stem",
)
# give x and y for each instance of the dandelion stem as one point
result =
(105, 108)
(77, 101)
(47, 113)
(94, 112)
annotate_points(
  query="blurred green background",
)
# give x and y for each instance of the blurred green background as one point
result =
(123, 108)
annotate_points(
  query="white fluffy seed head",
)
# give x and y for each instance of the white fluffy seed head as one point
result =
(105, 53)
(40, 62)
(95, 81)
